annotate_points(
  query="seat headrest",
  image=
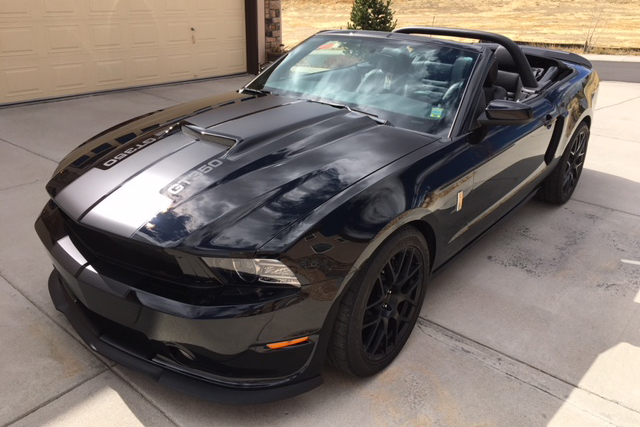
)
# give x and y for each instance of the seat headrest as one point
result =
(460, 69)
(395, 61)
(505, 60)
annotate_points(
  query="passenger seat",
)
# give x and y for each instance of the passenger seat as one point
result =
(492, 89)
(508, 76)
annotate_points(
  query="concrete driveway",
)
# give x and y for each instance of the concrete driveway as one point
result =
(538, 324)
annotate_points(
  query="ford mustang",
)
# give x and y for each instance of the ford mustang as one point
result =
(228, 247)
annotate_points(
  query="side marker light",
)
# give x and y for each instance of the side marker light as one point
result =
(282, 344)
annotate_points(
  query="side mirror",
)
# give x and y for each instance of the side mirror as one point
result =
(503, 112)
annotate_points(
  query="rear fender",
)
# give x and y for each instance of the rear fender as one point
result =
(578, 105)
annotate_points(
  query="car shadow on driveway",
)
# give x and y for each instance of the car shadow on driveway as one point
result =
(556, 288)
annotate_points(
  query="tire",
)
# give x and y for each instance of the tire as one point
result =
(381, 305)
(558, 187)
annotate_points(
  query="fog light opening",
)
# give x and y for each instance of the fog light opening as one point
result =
(180, 353)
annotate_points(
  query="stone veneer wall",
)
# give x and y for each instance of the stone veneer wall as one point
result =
(273, 33)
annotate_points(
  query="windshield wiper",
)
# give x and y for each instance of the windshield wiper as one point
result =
(256, 91)
(346, 107)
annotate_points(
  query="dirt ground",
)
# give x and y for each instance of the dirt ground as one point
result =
(609, 24)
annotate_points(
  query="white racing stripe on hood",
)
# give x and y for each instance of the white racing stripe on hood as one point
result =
(139, 200)
(85, 191)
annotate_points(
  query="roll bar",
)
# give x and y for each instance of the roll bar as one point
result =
(528, 79)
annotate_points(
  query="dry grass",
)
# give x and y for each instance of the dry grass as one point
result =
(608, 23)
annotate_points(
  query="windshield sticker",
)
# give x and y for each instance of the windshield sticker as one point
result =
(387, 81)
(436, 113)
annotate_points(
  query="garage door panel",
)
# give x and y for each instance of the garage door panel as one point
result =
(230, 6)
(235, 60)
(179, 66)
(147, 69)
(174, 6)
(144, 34)
(18, 41)
(106, 36)
(15, 9)
(64, 39)
(208, 63)
(62, 7)
(233, 29)
(102, 7)
(22, 82)
(207, 32)
(178, 32)
(142, 6)
(207, 5)
(110, 73)
(69, 77)
(51, 48)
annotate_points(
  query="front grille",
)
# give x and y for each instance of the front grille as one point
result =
(126, 253)
(140, 265)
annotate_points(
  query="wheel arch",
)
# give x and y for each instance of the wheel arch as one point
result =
(414, 218)
(427, 231)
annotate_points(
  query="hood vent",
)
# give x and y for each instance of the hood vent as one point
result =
(203, 134)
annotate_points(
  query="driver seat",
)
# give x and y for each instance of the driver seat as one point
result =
(491, 88)
(393, 73)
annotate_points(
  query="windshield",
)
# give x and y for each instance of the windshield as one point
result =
(412, 84)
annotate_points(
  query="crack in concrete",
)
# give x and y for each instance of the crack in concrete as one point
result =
(19, 185)
(68, 390)
(54, 398)
(483, 354)
(159, 96)
(612, 137)
(619, 103)
(29, 151)
(605, 207)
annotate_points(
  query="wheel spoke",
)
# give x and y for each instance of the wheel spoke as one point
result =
(381, 334)
(392, 270)
(373, 322)
(405, 264)
(414, 279)
(376, 302)
(372, 335)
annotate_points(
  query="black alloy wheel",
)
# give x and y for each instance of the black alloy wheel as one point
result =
(381, 306)
(392, 303)
(558, 187)
(572, 167)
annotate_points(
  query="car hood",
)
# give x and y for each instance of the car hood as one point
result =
(264, 163)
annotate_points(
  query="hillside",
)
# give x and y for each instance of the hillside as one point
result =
(612, 23)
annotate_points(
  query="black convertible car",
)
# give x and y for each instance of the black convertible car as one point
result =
(228, 246)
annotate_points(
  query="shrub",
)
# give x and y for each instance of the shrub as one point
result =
(373, 15)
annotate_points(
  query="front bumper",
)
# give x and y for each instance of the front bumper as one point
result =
(216, 352)
(94, 330)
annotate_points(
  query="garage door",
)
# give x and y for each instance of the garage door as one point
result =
(52, 48)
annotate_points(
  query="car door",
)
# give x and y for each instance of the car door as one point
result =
(511, 162)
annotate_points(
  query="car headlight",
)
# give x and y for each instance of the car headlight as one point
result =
(268, 271)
